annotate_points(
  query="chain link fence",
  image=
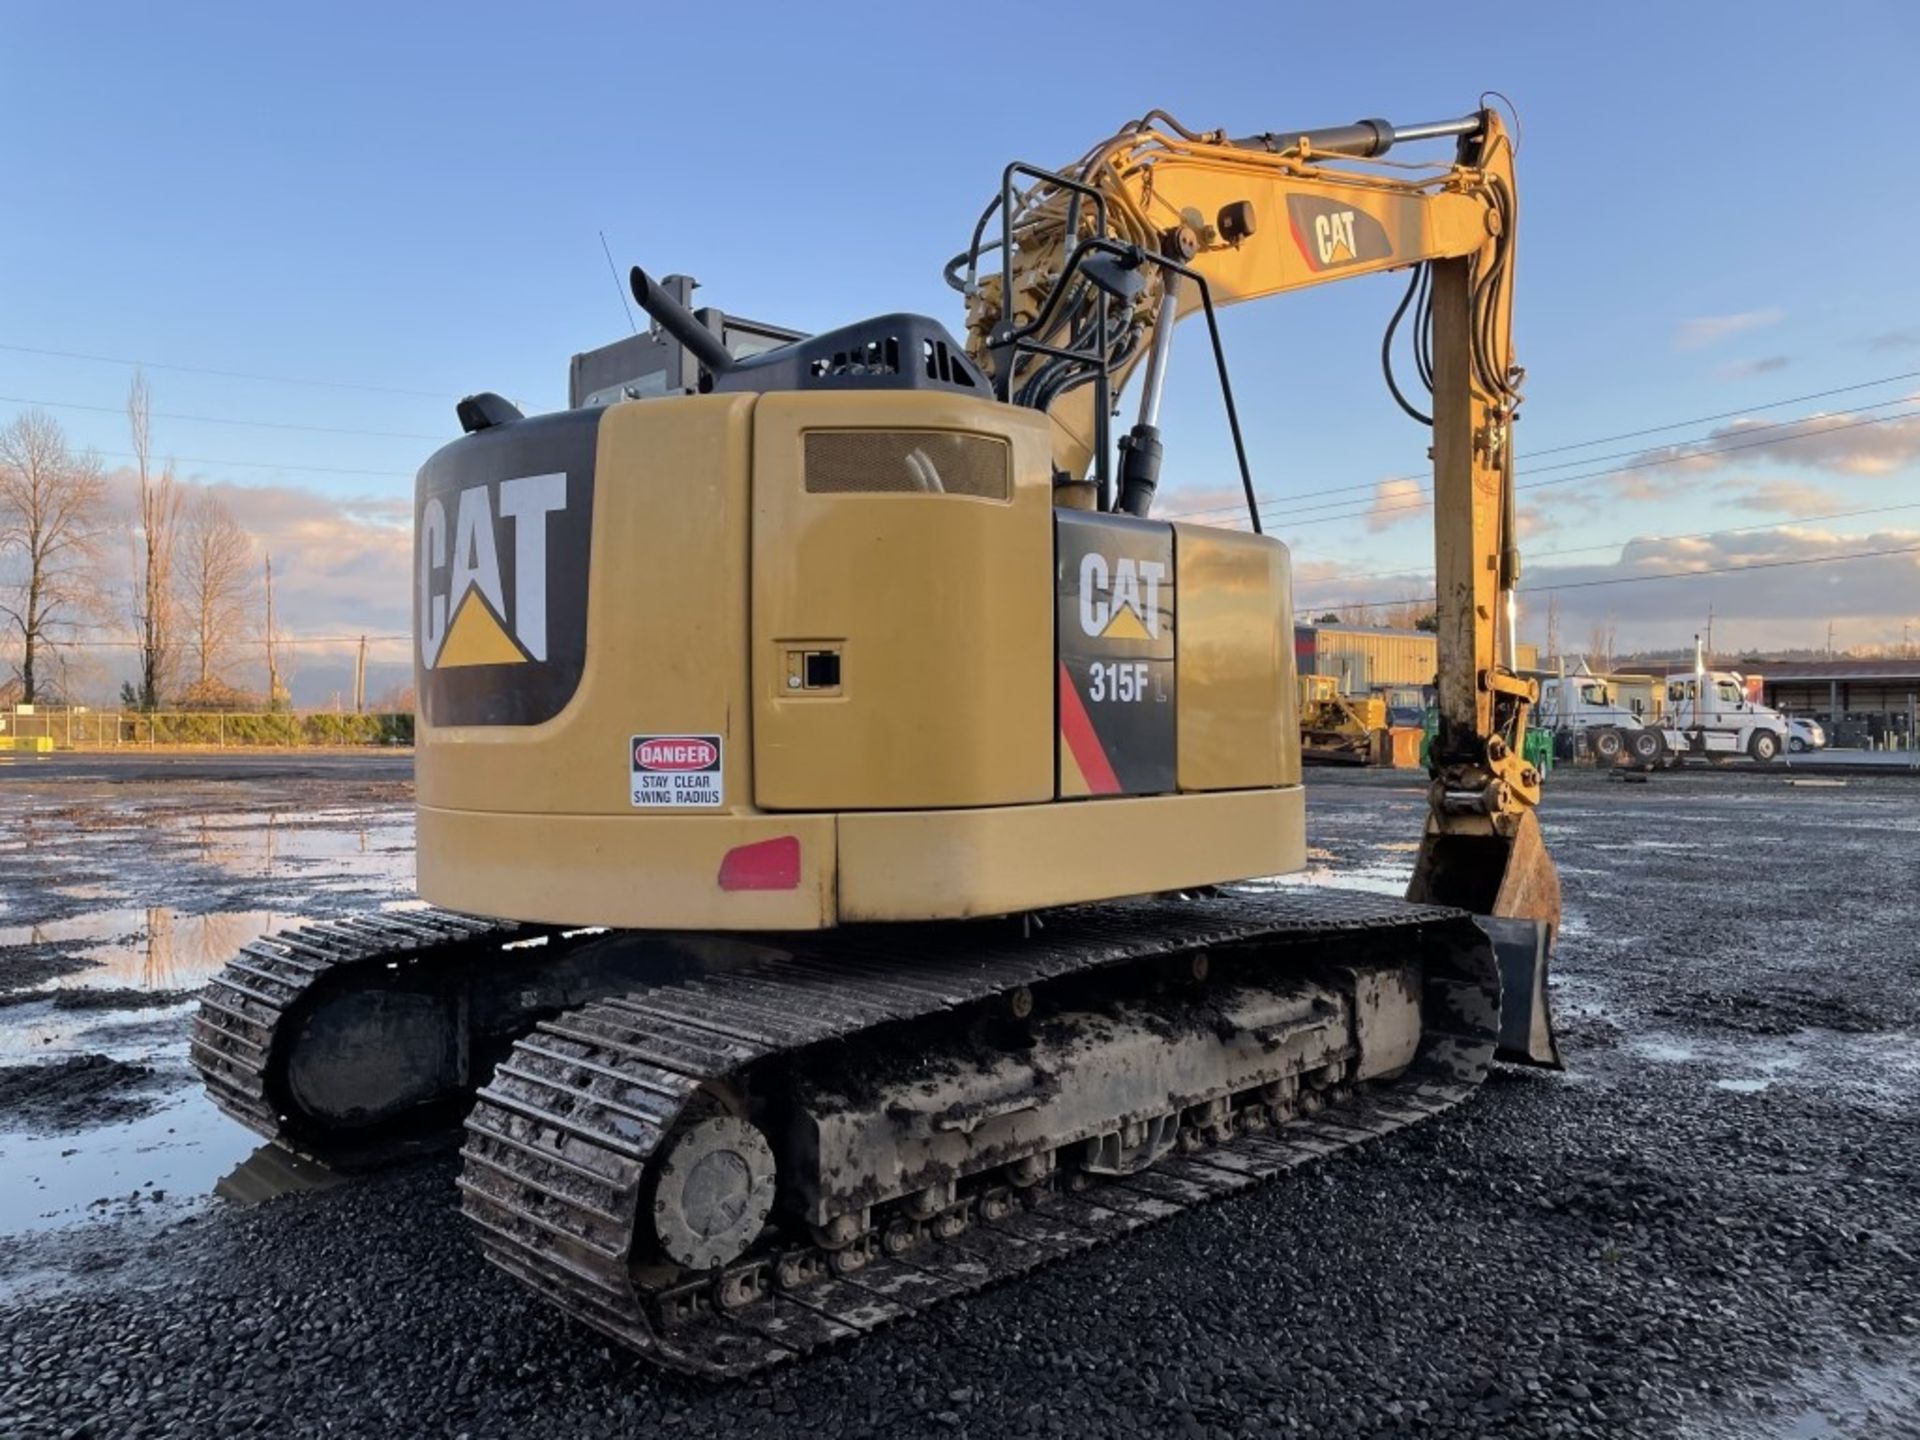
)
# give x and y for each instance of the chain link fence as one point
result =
(80, 728)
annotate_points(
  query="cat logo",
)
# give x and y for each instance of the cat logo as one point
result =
(466, 614)
(1333, 234)
(1120, 601)
(1330, 235)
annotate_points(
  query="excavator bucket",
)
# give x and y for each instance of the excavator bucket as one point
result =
(1511, 887)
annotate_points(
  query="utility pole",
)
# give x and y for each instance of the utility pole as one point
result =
(1829, 639)
(1709, 634)
(360, 679)
(273, 673)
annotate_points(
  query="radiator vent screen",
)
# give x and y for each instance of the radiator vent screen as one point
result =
(908, 462)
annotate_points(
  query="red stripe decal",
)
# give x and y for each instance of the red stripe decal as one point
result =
(1313, 261)
(1076, 728)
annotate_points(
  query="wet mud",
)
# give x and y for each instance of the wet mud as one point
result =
(75, 1093)
(1705, 1228)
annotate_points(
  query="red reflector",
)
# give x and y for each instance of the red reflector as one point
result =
(764, 865)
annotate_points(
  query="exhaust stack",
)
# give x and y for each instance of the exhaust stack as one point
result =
(679, 322)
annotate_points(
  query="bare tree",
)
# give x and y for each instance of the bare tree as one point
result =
(51, 516)
(1553, 629)
(1600, 647)
(157, 498)
(214, 590)
(280, 665)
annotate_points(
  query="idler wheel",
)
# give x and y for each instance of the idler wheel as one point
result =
(714, 1192)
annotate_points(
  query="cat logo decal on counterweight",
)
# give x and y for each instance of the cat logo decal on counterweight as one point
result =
(463, 598)
(502, 540)
(1120, 600)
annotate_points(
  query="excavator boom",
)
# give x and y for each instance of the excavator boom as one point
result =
(1207, 221)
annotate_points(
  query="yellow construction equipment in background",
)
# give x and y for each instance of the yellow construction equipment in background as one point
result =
(1338, 729)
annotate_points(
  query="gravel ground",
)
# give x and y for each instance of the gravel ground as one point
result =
(1707, 1227)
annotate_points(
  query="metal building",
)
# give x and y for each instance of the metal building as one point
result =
(1859, 701)
(1364, 657)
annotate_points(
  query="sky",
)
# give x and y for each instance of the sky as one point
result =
(357, 214)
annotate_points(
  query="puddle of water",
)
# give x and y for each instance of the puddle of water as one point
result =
(41, 1032)
(172, 1156)
(95, 925)
(257, 845)
(1850, 1400)
(1665, 1051)
(85, 892)
(271, 1172)
(157, 948)
(1751, 1086)
(1377, 879)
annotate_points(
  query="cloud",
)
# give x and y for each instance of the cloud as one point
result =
(1747, 369)
(1843, 443)
(342, 568)
(1788, 497)
(1705, 330)
(1904, 339)
(1395, 502)
(1774, 607)
(1210, 504)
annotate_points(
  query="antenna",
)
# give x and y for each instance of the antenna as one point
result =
(614, 270)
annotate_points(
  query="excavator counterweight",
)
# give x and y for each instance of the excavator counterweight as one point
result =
(859, 829)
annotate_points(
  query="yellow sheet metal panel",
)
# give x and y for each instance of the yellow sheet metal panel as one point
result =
(919, 601)
(1379, 657)
(1235, 692)
(960, 863)
(666, 619)
(649, 871)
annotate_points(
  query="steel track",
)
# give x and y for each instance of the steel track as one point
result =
(559, 1141)
(249, 1011)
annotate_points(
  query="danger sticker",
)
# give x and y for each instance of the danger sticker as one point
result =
(677, 772)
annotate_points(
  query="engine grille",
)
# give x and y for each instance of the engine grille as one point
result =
(908, 462)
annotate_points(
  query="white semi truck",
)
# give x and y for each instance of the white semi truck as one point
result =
(1706, 714)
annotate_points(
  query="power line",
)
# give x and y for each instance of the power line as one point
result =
(1532, 554)
(1598, 440)
(1691, 451)
(267, 465)
(228, 374)
(225, 420)
(1732, 414)
(279, 641)
(1638, 579)
(1722, 570)
(1620, 469)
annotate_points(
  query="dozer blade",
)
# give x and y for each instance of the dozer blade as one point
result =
(1510, 884)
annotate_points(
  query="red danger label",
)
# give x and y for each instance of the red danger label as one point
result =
(681, 752)
(677, 772)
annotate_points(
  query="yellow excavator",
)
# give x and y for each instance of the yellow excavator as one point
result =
(1338, 729)
(852, 821)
